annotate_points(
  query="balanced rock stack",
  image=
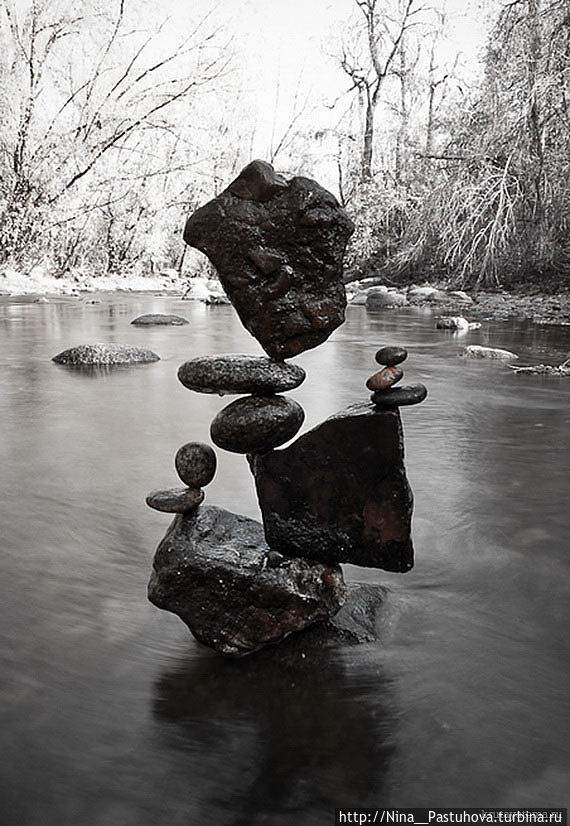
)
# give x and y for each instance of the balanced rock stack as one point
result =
(336, 494)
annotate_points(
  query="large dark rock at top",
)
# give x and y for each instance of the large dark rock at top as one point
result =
(211, 569)
(278, 248)
(339, 493)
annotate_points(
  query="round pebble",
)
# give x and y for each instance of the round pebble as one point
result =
(255, 424)
(400, 396)
(227, 374)
(389, 356)
(384, 378)
(195, 464)
(175, 500)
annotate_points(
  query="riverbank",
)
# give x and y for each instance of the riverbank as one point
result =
(537, 307)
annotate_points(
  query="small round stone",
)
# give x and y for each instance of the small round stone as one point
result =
(175, 500)
(400, 396)
(390, 356)
(255, 424)
(152, 319)
(384, 378)
(227, 374)
(274, 559)
(195, 464)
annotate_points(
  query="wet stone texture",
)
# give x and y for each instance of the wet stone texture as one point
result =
(104, 355)
(400, 396)
(159, 319)
(256, 423)
(339, 493)
(175, 500)
(195, 463)
(211, 570)
(278, 248)
(234, 374)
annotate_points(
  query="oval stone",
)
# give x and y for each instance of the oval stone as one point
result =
(175, 500)
(256, 423)
(233, 374)
(400, 396)
(159, 319)
(390, 356)
(195, 464)
(104, 355)
(384, 378)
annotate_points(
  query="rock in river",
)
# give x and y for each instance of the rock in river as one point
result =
(227, 374)
(256, 423)
(339, 493)
(278, 248)
(211, 570)
(476, 351)
(391, 355)
(195, 464)
(103, 355)
(159, 319)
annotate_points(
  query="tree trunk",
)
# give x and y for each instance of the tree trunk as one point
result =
(366, 172)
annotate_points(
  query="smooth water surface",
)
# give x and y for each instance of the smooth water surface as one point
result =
(112, 715)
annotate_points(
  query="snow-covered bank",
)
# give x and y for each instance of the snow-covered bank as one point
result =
(39, 281)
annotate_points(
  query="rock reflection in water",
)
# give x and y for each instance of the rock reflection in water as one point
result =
(283, 729)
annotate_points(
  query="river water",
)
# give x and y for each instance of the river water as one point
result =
(112, 715)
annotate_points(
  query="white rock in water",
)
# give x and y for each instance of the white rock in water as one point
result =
(476, 351)
(456, 322)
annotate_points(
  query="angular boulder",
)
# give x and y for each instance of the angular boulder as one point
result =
(211, 570)
(339, 493)
(278, 248)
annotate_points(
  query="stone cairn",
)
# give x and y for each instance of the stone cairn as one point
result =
(336, 494)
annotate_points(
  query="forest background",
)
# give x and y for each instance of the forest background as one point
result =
(442, 127)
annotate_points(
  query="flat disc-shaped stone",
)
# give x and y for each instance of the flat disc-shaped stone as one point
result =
(195, 464)
(175, 500)
(227, 374)
(400, 396)
(256, 423)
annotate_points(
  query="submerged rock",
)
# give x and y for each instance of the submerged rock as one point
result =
(211, 570)
(476, 351)
(159, 319)
(105, 355)
(456, 322)
(256, 423)
(278, 248)
(339, 493)
(228, 374)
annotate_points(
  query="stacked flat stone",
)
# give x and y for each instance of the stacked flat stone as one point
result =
(385, 395)
(196, 466)
(261, 419)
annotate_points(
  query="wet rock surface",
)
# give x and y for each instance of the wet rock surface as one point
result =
(477, 351)
(256, 423)
(278, 249)
(400, 396)
(211, 570)
(159, 319)
(195, 464)
(378, 300)
(384, 378)
(104, 355)
(175, 500)
(390, 356)
(339, 493)
(229, 374)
